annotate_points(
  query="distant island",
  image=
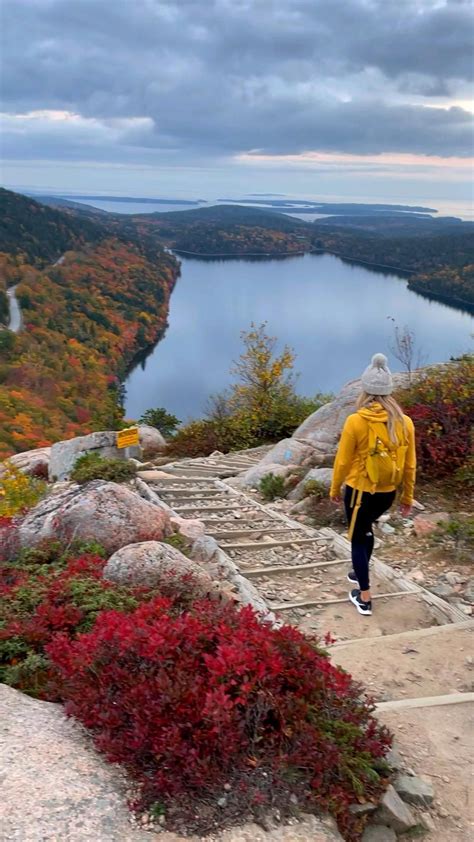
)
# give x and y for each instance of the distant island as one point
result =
(303, 206)
(143, 199)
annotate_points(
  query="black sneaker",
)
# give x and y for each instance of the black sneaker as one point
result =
(352, 578)
(362, 607)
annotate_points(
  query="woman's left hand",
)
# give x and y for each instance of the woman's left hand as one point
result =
(405, 510)
(336, 500)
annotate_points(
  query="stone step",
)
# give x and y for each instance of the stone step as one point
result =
(269, 545)
(240, 533)
(276, 570)
(210, 508)
(228, 522)
(414, 634)
(208, 466)
(194, 473)
(184, 482)
(390, 615)
(427, 702)
(428, 662)
(321, 602)
(191, 495)
(227, 463)
(312, 586)
(282, 557)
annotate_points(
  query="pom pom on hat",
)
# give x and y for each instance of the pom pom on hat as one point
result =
(377, 377)
(379, 361)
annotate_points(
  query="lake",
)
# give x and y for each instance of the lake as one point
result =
(333, 314)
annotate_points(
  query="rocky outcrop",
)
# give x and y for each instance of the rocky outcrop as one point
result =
(414, 790)
(188, 527)
(105, 512)
(323, 476)
(253, 477)
(151, 440)
(428, 523)
(32, 462)
(64, 454)
(394, 813)
(288, 452)
(153, 564)
(54, 785)
(56, 462)
(207, 552)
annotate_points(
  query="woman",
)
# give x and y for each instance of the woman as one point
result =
(376, 454)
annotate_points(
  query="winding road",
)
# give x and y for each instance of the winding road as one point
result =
(16, 321)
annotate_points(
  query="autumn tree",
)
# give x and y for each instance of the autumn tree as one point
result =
(264, 394)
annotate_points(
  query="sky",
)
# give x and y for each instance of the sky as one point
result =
(337, 99)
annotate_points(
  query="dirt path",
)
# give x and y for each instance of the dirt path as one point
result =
(438, 743)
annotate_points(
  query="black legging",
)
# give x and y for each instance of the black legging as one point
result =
(362, 544)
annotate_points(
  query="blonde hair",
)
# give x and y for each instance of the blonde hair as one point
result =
(392, 408)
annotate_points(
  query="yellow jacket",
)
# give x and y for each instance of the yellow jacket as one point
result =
(349, 467)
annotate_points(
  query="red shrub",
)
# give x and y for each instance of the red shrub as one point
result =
(8, 538)
(38, 601)
(189, 701)
(443, 438)
(442, 408)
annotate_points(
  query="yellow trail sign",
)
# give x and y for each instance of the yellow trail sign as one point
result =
(128, 437)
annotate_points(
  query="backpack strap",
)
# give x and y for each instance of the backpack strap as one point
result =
(357, 498)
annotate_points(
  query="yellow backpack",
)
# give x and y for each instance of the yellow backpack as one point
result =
(384, 464)
(385, 461)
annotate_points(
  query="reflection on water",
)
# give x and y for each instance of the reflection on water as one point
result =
(334, 315)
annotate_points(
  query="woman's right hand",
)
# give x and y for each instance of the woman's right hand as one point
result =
(336, 500)
(405, 510)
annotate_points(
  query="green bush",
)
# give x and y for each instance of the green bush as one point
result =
(465, 475)
(313, 488)
(459, 532)
(92, 466)
(179, 542)
(161, 419)
(272, 487)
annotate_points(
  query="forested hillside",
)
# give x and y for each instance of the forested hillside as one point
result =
(84, 321)
(441, 265)
(37, 234)
(437, 252)
(449, 283)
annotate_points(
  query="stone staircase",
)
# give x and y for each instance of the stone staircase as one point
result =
(299, 571)
(411, 653)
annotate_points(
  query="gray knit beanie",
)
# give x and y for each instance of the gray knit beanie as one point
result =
(377, 377)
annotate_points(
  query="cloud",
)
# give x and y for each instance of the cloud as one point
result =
(168, 80)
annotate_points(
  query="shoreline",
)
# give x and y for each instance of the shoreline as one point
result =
(273, 255)
(461, 303)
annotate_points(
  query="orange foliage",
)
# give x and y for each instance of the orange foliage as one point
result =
(84, 324)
